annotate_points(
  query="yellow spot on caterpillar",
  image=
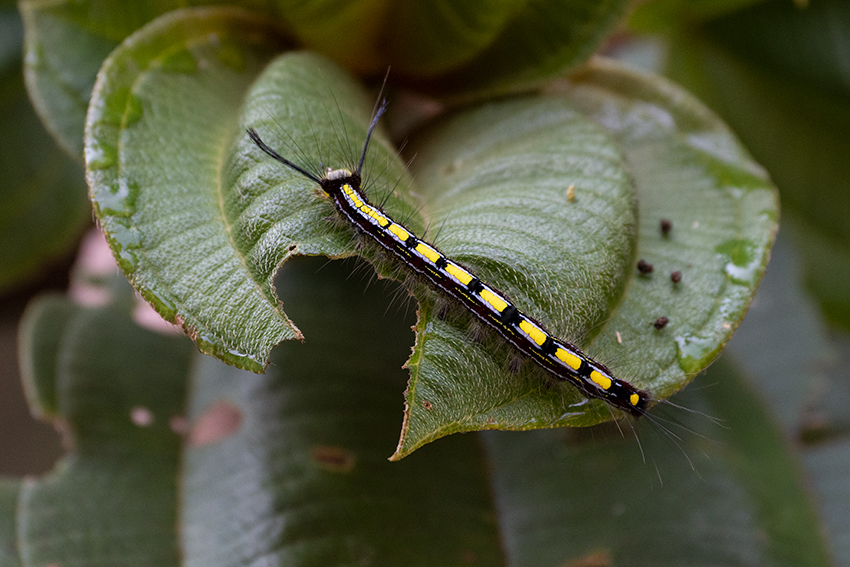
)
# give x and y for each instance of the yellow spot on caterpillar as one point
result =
(459, 273)
(634, 399)
(533, 331)
(571, 193)
(399, 231)
(428, 252)
(568, 358)
(497, 302)
(378, 217)
(347, 189)
(603, 381)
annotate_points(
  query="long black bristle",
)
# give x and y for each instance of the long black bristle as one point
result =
(372, 126)
(262, 145)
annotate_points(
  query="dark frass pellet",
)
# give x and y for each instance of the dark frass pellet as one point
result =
(666, 226)
(661, 322)
(676, 277)
(644, 267)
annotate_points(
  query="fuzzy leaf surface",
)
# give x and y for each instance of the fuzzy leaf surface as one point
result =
(67, 41)
(685, 167)
(202, 238)
(800, 87)
(163, 115)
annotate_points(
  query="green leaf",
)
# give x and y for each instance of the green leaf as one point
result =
(167, 176)
(454, 47)
(9, 490)
(42, 341)
(116, 391)
(316, 114)
(462, 30)
(44, 208)
(778, 74)
(800, 366)
(664, 16)
(10, 40)
(686, 167)
(542, 41)
(800, 89)
(730, 495)
(66, 43)
(827, 465)
(494, 179)
(290, 467)
(467, 48)
(690, 169)
(307, 465)
(347, 31)
(163, 114)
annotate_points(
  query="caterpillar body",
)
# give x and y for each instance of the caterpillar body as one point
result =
(561, 359)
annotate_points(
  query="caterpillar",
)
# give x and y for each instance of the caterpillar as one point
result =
(560, 358)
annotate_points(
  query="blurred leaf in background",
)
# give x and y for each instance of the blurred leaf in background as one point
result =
(43, 197)
(43, 212)
(291, 466)
(779, 73)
